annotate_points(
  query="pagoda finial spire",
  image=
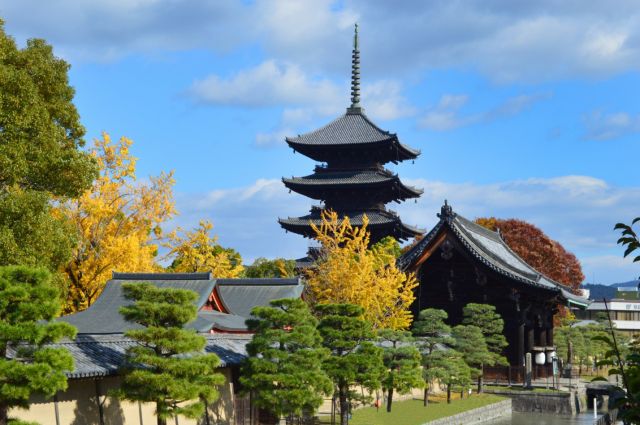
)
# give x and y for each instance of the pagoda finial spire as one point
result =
(355, 72)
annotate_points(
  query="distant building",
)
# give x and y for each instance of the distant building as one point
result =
(624, 313)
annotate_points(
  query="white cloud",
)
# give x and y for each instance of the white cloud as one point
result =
(271, 83)
(506, 40)
(578, 211)
(602, 126)
(446, 115)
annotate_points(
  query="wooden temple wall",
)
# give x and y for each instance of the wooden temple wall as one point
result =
(450, 279)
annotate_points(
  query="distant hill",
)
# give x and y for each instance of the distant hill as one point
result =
(599, 291)
(631, 283)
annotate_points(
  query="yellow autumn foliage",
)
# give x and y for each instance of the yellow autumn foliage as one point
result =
(198, 251)
(348, 271)
(118, 222)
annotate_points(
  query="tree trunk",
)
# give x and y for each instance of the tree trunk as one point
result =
(448, 393)
(389, 399)
(4, 415)
(160, 421)
(480, 384)
(426, 396)
(461, 394)
(344, 405)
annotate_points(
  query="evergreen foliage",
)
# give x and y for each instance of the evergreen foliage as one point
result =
(277, 268)
(402, 361)
(40, 155)
(168, 367)
(491, 324)
(28, 301)
(284, 369)
(354, 360)
(432, 332)
(451, 371)
(470, 342)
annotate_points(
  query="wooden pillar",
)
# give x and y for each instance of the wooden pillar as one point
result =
(550, 336)
(543, 337)
(530, 339)
(521, 344)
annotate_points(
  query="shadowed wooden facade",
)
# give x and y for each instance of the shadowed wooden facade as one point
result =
(460, 262)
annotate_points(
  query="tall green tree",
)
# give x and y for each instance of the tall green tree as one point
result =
(402, 361)
(168, 367)
(40, 155)
(354, 360)
(491, 324)
(28, 301)
(432, 333)
(470, 342)
(284, 369)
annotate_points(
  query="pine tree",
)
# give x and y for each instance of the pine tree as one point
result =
(451, 370)
(354, 359)
(491, 324)
(284, 369)
(28, 301)
(470, 342)
(168, 367)
(402, 362)
(432, 332)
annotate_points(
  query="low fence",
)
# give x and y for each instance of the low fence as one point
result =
(516, 374)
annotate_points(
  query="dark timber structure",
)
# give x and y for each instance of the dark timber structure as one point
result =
(460, 262)
(352, 180)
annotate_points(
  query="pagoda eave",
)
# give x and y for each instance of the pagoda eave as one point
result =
(382, 151)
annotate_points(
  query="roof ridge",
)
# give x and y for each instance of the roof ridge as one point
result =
(161, 276)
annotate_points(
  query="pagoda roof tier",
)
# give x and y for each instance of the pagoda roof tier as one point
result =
(316, 185)
(352, 131)
(381, 224)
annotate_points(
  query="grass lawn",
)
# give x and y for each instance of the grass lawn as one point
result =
(412, 412)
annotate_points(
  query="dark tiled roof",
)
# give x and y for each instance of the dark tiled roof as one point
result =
(343, 177)
(377, 220)
(350, 178)
(102, 355)
(239, 296)
(489, 248)
(103, 316)
(351, 129)
(346, 130)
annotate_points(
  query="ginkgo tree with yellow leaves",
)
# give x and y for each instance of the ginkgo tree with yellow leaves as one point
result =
(199, 251)
(118, 221)
(350, 272)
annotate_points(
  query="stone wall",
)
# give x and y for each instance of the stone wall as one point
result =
(477, 416)
(529, 401)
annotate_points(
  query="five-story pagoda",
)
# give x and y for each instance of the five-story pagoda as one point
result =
(352, 179)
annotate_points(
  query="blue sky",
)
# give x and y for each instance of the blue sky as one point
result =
(521, 109)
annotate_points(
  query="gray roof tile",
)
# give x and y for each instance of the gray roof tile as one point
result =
(103, 355)
(489, 248)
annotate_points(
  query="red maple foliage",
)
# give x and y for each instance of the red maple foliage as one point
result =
(538, 250)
